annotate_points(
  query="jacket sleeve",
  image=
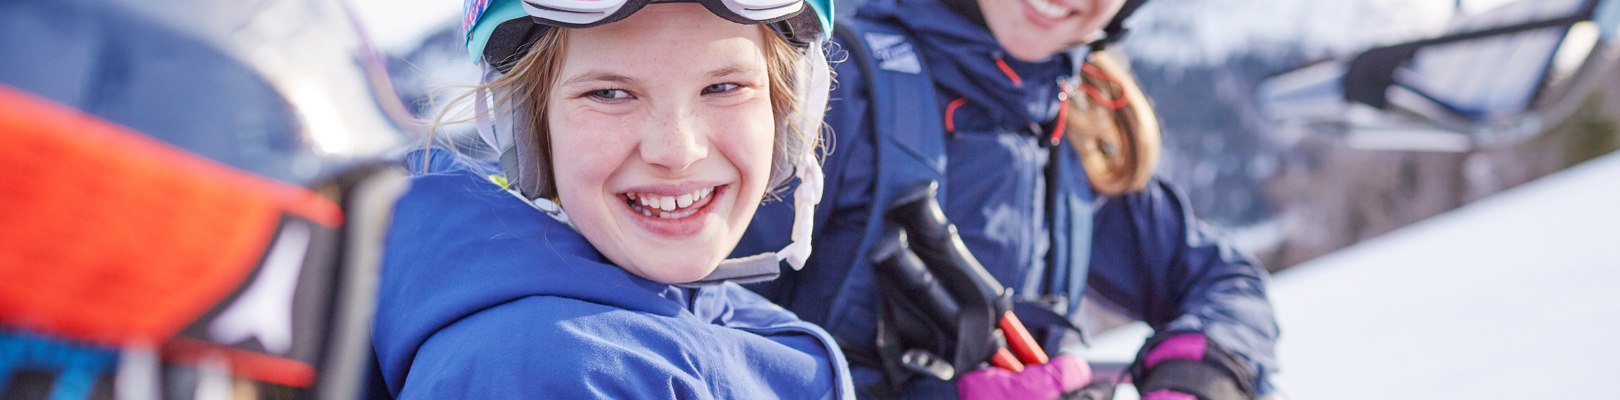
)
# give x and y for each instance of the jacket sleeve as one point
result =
(1154, 261)
(748, 311)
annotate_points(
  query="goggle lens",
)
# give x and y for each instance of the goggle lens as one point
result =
(574, 13)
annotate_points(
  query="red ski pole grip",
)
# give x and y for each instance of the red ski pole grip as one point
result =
(1005, 360)
(1022, 343)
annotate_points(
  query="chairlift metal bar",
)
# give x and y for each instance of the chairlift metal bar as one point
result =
(1371, 73)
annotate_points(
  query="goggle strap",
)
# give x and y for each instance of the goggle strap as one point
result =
(718, 7)
(509, 41)
(483, 121)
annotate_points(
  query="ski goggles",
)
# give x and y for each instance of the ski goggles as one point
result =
(499, 31)
(589, 13)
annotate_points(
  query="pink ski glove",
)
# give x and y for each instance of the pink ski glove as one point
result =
(1046, 381)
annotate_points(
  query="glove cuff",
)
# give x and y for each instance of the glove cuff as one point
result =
(1190, 363)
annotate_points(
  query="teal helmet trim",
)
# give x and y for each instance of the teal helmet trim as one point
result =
(498, 11)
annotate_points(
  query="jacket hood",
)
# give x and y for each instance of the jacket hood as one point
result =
(460, 244)
(961, 55)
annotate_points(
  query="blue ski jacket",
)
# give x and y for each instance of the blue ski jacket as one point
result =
(1051, 240)
(485, 297)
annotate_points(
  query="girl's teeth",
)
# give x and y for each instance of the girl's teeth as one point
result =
(1045, 7)
(667, 205)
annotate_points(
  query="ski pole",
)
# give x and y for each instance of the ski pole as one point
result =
(938, 246)
(901, 268)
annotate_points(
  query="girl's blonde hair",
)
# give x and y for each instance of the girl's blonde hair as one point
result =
(533, 76)
(1113, 127)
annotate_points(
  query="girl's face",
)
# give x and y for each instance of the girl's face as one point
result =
(662, 131)
(1032, 30)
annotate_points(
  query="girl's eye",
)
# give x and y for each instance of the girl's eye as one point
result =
(719, 88)
(608, 94)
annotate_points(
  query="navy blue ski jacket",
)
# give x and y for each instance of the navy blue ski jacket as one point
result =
(1143, 254)
(485, 297)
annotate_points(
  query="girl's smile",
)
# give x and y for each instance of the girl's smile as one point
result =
(672, 215)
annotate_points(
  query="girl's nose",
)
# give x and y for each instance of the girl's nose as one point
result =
(671, 139)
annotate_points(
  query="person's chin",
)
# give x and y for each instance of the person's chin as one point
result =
(1027, 44)
(1031, 53)
(669, 272)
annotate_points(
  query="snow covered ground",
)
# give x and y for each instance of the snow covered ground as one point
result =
(1204, 32)
(1514, 296)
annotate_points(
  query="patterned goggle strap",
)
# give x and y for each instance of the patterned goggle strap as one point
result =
(588, 13)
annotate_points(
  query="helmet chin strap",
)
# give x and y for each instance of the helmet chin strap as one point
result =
(493, 118)
(496, 132)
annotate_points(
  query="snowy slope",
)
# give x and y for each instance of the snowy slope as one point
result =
(1208, 32)
(1511, 297)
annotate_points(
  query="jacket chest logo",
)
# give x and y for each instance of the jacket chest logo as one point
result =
(894, 52)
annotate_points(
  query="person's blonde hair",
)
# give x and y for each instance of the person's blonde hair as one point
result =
(533, 76)
(1113, 127)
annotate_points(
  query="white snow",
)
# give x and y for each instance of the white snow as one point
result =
(1513, 296)
(1206, 32)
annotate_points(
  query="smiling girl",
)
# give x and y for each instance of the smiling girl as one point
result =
(636, 141)
(1009, 106)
